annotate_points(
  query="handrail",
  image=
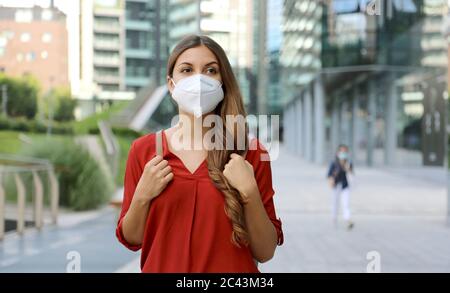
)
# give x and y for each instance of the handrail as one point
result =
(16, 166)
(111, 144)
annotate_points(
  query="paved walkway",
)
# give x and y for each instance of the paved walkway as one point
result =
(399, 213)
(90, 234)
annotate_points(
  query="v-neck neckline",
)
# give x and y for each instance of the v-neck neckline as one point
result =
(166, 146)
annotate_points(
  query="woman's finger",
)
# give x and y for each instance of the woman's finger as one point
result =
(161, 165)
(165, 171)
(234, 156)
(154, 161)
(168, 177)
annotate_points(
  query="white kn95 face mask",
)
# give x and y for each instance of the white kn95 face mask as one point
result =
(198, 94)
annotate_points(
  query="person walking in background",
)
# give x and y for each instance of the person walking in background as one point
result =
(340, 175)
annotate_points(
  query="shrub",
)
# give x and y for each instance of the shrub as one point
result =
(83, 184)
(35, 126)
(64, 104)
(127, 132)
(22, 95)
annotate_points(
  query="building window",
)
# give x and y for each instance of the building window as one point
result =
(25, 37)
(44, 55)
(19, 57)
(8, 34)
(47, 15)
(31, 56)
(24, 15)
(46, 37)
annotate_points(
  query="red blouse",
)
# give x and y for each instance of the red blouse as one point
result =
(187, 229)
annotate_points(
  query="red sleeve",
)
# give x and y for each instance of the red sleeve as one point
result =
(263, 174)
(132, 175)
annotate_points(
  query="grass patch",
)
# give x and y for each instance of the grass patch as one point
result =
(10, 142)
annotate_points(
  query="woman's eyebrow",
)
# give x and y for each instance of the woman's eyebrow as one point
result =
(211, 63)
(190, 64)
(184, 63)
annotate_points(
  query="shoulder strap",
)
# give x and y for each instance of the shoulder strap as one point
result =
(159, 147)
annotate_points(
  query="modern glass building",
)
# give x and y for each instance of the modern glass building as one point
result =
(108, 53)
(275, 99)
(239, 26)
(146, 42)
(97, 65)
(370, 74)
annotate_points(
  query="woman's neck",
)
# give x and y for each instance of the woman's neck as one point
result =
(192, 129)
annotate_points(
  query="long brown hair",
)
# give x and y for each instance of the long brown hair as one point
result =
(232, 104)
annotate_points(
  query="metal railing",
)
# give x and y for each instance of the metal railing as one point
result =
(16, 167)
(111, 145)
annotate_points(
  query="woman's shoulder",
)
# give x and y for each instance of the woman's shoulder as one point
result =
(144, 147)
(144, 141)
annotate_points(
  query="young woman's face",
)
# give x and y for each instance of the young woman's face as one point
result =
(198, 60)
(342, 153)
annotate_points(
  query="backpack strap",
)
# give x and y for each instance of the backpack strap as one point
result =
(159, 145)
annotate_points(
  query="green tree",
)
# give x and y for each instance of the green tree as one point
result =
(65, 105)
(22, 95)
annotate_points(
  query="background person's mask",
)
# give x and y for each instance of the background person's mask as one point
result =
(343, 156)
(198, 94)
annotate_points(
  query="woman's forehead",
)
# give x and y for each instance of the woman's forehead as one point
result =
(197, 56)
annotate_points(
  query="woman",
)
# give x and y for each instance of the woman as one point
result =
(339, 176)
(199, 209)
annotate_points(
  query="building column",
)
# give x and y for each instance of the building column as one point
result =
(292, 128)
(319, 117)
(371, 110)
(288, 127)
(334, 125)
(344, 121)
(299, 110)
(354, 123)
(448, 198)
(304, 117)
(308, 125)
(391, 123)
(285, 128)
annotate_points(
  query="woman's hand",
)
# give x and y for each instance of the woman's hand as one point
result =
(331, 182)
(240, 175)
(155, 177)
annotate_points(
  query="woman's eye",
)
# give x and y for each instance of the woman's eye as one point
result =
(211, 70)
(186, 70)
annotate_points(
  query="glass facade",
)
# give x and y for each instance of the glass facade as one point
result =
(383, 74)
(146, 42)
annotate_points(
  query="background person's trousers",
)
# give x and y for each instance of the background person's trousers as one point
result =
(341, 196)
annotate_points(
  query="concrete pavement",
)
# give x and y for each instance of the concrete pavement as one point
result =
(399, 214)
(90, 235)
